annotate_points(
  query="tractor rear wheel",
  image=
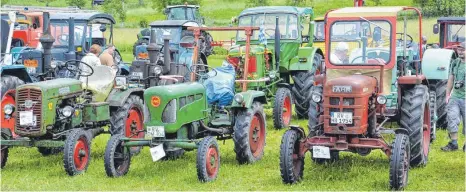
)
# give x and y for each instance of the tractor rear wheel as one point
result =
(128, 120)
(433, 114)
(441, 93)
(282, 108)
(291, 164)
(303, 81)
(415, 118)
(117, 158)
(4, 151)
(249, 134)
(208, 160)
(77, 152)
(399, 162)
(315, 110)
(46, 151)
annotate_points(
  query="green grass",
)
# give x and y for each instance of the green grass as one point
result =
(28, 170)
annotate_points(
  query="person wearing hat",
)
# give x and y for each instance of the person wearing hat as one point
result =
(340, 54)
(456, 99)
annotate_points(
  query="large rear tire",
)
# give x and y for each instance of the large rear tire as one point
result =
(440, 89)
(433, 114)
(399, 162)
(282, 108)
(117, 158)
(291, 163)
(249, 134)
(414, 118)
(9, 82)
(303, 81)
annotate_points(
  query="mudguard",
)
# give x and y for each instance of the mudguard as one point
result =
(304, 60)
(117, 97)
(436, 63)
(16, 70)
(249, 97)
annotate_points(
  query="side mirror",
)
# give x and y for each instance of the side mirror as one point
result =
(436, 28)
(166, 11)
(103, 28)
(377, 35)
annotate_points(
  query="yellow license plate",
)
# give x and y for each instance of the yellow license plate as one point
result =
(31, 63)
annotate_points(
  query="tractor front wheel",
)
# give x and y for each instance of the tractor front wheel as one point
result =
(249, 134)
(77, 152)
(433, 114)
(128, 120)
(399, 162)
(315, 110)
(117, 158)
(415, 118)
(208, 159)
(291, 163)
(282, 108)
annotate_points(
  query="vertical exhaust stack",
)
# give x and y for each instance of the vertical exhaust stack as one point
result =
(166, 53)
(277, 44)
(152, 48)
(71, 35)
(47, 41)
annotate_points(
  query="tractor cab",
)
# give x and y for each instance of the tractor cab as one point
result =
(451, 31)
(184, 12)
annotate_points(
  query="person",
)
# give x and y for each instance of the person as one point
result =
(424, 43)
(455, 99)
(340, 54)
(106, 57)
(91, 59)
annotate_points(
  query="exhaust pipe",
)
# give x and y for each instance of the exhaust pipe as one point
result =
(71, 35)
(277, 44)
(153, 49)
(47, 41)
(166, 54)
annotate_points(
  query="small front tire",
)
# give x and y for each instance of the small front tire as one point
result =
(117, 159)
(77, 152)
(399, 162)
(208, 159)
(291, 163)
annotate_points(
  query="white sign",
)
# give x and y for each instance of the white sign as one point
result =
(321, 152)
(155, 131)
(27, 118)
(157, 152)
(342, 89)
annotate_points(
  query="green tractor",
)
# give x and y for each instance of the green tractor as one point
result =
(180, 117)
(66, 114)
(285, 61)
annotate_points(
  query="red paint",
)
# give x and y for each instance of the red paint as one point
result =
(212, 162)
(81, 153)
(252, 68)
(133, 124)
(411, 80)
(9, 123)
(155, 101)
(286, 115)
(257, 135)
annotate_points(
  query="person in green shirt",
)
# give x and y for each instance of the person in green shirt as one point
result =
(456, 99)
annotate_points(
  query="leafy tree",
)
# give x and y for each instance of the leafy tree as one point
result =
(254, 3)
(441, 7)
(116, 8)
(77, 3)
(377, 2)
(297, 2)
(47, 2)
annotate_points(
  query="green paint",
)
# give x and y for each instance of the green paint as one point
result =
(77, 117)
(249, 96)
(95, 112)
(297, 63)
(32, 143)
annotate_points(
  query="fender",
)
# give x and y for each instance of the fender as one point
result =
(435, 63)
(300, 130)
(304, 60)
(16, 70)
(249, 97)
(412, 80)
(117, 97)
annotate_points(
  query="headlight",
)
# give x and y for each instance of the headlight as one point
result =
(316, 98)
(239, 98)
(158, 70)
(67, 111)
(272, 74)
(381, 99)
(8, 109)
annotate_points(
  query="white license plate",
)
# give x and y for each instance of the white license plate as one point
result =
(155, 131)
(157, 152)
(341, 118)
(342, 89)
(27, 118)
(321, 152)
(137, 74)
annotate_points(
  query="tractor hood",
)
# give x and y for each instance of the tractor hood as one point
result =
(360, 84)
(56, 87)
(241, 50)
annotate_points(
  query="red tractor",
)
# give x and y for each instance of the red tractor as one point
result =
(372, 76)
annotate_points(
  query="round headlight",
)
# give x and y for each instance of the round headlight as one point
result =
(158, 70)
(239, 98)
(67, 111)
(381, 99)
(272, 74)
(8, 109)
(316, 98)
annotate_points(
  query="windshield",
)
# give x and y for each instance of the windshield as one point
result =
(360, 42)
(60, 31)
(288, 25)
(319, 33)
(179, 13)
(174, 32)
(456, 33)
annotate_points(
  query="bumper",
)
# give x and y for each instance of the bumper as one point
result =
(345, 143)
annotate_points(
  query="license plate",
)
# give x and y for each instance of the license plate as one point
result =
(137, 74)
(342, 89)
(155, 131)
(321, 152)
(157, 152)
(31, 63)
(27, 118)
(341, 118)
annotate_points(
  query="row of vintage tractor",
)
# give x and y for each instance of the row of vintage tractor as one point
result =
(164, 100)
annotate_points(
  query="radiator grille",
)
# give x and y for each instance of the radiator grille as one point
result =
(33, 96)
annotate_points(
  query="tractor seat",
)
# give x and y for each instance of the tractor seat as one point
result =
(100, 82)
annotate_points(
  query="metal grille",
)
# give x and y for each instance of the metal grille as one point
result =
(334, 101)
(348, 101)
(36, 97)
(345, 102)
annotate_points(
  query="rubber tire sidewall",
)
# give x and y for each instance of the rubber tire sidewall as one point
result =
(110, 169)
(289, 145)
(204, 145)
(68, 156)
(279, 102)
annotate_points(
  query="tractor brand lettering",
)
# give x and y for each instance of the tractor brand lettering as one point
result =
(64, 90)
(155, 101)
(342, 89)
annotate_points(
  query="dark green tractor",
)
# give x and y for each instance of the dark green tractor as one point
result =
(179, 117)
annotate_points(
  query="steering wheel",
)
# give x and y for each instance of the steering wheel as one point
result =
(202, 65)
(352, 61)
(408, 43)
(63, 39)
(76, 70)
